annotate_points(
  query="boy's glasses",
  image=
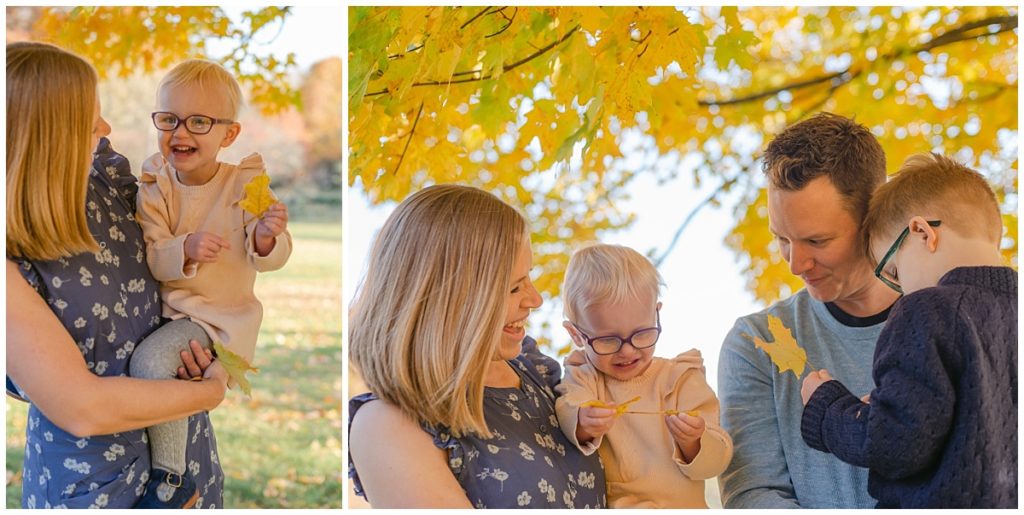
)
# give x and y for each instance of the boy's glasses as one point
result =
(196, 124)
(884, 276)
(640, 339)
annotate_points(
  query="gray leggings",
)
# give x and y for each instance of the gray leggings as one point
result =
(158, 357)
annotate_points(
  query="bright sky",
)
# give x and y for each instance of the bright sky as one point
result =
(312, 32)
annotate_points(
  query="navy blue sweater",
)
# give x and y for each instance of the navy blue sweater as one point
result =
(941, 428)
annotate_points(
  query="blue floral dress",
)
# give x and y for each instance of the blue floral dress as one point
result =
(529, 463)
(108, 302)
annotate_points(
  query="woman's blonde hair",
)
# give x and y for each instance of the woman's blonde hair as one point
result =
(607, 273)
(207, 75)
(51, 101)
(426, 322)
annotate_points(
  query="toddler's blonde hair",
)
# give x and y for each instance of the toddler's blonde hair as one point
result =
(607, 273)
(209, 76)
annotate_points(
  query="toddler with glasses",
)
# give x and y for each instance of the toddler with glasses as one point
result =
(202, 246)
(940, 428)
(654, 421)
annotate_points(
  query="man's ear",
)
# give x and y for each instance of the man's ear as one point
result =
(919, 229)
(229, 137)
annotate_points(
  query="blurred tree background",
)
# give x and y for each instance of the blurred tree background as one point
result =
(541, 104)
(282, 447)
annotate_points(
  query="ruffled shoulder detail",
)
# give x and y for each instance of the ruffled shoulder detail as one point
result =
(111, 166)
(156, 169)
(252, 163)
(689, 359)
(441, 436)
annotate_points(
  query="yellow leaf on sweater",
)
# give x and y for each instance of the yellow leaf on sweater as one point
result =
(783, 349)
(258, 196)
(235, 365)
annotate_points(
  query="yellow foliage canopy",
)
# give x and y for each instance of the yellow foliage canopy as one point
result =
(539, 104)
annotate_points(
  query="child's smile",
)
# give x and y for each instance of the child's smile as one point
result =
(194, 156)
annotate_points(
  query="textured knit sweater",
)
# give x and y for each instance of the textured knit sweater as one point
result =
(218, 296)
(772, 467)
(644, 468)
(941, 427)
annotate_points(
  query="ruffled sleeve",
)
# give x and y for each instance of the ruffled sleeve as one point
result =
(692, 392)
(441, 437)
(116, 168)
(165, 252)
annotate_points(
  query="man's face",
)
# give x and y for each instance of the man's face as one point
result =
(819, 239)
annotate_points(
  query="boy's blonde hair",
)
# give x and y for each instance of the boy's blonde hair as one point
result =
(51, 101)
(932, 185)
(209, 76)
(607, 273)
(426, 322)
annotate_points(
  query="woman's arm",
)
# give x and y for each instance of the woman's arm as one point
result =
(44, 361)
(398, 463)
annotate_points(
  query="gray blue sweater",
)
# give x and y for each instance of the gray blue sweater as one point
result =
(941, 428)
(772, 467)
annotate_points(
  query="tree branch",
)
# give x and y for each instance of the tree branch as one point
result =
(961, 33)
(505, 68)
(475, 17)
(409, 140)
(689, 218)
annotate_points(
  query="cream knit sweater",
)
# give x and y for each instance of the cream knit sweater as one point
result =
(217, 296)
(643, 466)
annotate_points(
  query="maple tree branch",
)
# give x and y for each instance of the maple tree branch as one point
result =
(961, 33)
(476, 17)
(503, 29)
(505, 68)
(409, 140)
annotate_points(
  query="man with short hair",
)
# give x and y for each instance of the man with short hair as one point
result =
(821, 174)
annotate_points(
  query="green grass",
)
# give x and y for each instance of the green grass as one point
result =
(282, 448)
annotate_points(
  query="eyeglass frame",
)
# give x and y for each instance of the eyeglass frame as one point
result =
(892, 252)
(180, 121)
(623, 341)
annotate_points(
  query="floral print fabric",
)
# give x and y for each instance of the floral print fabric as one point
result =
(529, 463)
(108, 302)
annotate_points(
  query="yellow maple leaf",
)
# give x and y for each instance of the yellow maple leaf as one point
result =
(258, 196)
(619, 410)
(235, 365)
(783, 349)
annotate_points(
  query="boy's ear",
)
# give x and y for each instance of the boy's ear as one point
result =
(919, 229)
(229, 137)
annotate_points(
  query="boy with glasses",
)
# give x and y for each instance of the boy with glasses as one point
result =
(940, 428)
(201, 245)
(615, 391)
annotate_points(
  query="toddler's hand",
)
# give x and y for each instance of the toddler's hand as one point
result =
(812, 382)
(686, 430)
(203, 247)
(274, 221)
(594, 422)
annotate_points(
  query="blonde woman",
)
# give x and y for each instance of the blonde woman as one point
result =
(459, 415)
(80, 298)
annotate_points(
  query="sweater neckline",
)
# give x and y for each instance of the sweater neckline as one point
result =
(998, 278)
(210, 184)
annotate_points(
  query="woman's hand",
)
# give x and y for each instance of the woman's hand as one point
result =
(195, 361)
(199, 365)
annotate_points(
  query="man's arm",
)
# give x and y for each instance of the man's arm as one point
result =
(758, 476)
